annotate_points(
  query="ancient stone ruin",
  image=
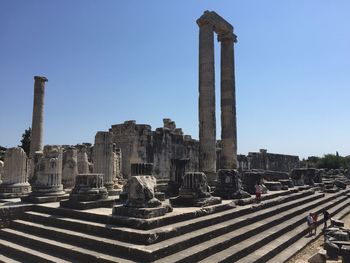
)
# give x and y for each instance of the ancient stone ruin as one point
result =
(15, 174)
(141, 200)
(144, 195)
(69, 167)
(48, 180)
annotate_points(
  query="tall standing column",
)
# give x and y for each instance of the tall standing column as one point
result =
(207, 122)
(36, 143)
(228, 103)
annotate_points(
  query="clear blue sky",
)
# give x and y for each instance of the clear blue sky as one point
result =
(111, 61)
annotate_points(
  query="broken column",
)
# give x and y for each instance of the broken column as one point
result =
(70, 167)
(82, 159)
(229, 185)
(15, 175)
(141, 201)
(104, 159)
(228, 102)
(87, 193)
(36, 143)
(194, 191)
(207, 121)
(47, 186)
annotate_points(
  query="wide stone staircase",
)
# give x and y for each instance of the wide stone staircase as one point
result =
(253, 233)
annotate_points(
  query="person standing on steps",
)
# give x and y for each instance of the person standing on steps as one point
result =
(310, 223)
(325, 218)
(258, 191)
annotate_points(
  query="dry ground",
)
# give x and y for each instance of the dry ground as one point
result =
(312, 248)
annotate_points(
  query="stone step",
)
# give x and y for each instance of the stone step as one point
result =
(239, 235)
(170, 218)
(294, 248)
(272, 248)
(171, 230)
(24, 253)
(198, 236)
(39, 227)
(250, 249)
(51, 247)
(7, 259)
(162, 233)
(98, 244)
(97, 229)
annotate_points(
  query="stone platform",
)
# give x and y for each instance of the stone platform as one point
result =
(44, 199)
(222, 232)
(83, 205)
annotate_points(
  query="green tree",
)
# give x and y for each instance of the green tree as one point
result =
(25, 142)
(331, 161)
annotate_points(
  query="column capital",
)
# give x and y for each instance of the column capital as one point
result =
(40, 78)
(227, 36)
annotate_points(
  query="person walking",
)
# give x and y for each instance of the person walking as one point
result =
(325, 218)
(309, 221)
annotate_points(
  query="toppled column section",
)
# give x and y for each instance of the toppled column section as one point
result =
(36, 143)
(194, 191)
(15, 174)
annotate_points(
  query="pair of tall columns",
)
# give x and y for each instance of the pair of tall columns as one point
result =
(209, 23)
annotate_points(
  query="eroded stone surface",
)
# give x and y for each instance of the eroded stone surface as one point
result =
(229, 185)
(15, 174)
(36, 143)
(104, 158)
(70, 167)
(194, 191)
(48, 179)
(141, 202)
(88, 187)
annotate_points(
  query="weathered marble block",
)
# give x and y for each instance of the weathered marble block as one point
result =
(273, 186)
(250, 179)
(229, 185)
(88, 187)
(104, 159)
(141, 202)
(194, 191)
(287, 182)
(302, 176)
(15, 174)
(70, 167)
(48, 181)
(82, 159)
(141, 169)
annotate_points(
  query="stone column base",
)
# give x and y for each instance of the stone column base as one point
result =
(14, 190)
